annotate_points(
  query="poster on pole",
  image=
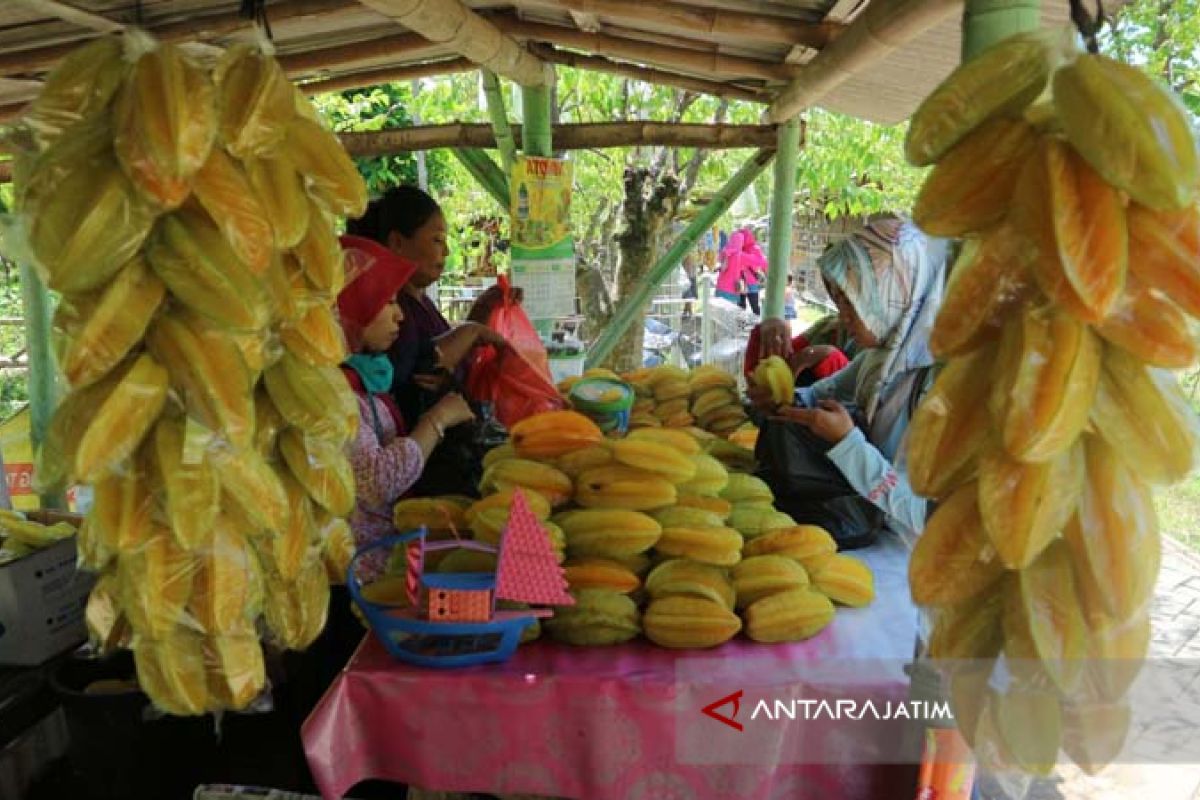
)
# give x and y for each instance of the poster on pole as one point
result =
(543, 250)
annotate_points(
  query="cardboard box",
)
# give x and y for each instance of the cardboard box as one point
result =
(42, 600)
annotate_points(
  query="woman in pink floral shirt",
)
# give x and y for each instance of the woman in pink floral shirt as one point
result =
(388, 455)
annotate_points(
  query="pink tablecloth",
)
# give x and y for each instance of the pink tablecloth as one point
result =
(605, 723)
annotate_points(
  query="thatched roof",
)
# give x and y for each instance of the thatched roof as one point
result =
(744, 48)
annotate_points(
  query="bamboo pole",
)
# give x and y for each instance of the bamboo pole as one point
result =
(485, 172)
(35, 302)
(986, 22)
(707, 21)
(375, 77)
(656, 76)
(192, 28)
(453, 25)
(73, 15)
(779, 250)
(704, 63)
(877, 32)
(537, 132)
(499, 115)
(634, 306)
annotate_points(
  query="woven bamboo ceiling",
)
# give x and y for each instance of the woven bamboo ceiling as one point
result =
(872, 59)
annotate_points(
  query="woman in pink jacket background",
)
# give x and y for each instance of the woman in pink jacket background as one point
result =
(743, 270)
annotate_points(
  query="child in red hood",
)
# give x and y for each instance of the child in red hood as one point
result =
(388, 454)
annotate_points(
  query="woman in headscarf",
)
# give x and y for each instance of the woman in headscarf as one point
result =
(742, 270)
(887, 283)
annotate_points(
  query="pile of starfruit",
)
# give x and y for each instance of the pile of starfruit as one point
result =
(657, 537)
(1072, 179)
(183, 205)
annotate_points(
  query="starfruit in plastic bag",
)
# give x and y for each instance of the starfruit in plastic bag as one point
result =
(122, 512)
(1094, 733)
(81, 85)
(1029, 721)
(951, 425)
(1116, 651)
(1132, 131)
(1141, 412)
(156, 582)
(1076, 225)
(254, 101)
(295, 610)
(208, 372)
(1113, 536)
(316, 338)
(971, 630)
(1025, 506)
(1165, 250)
(225, 193)
(165, 123)
(989, 277)
(280, 190)
(170, 671)
(318, 400)
(953, 561)
(1044, 627)
(1147, 324)
(234, 670)
(320, 157)
(55, 460)
(192, 493)
(257, 495)
(121, 422)
(320, 255)
(227, 592)
(108, 324)
(1001, 81)
(970, 188)
(86, 220)
(1049, 367)
(190, 254)
(322, 468)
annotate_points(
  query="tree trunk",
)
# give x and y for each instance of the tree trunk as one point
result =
(650, 204)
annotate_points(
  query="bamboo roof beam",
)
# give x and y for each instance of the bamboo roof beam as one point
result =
(192, 28)
(566, 137)
(706, 63)
(597, 64)
(374, 77)
(404, 46)
(706, 21)
(73, 15)
(878, 31)
(453, 25)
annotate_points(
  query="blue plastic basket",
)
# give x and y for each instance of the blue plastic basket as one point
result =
(439, 645)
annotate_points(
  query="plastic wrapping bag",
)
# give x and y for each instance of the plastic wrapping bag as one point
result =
(515, 379)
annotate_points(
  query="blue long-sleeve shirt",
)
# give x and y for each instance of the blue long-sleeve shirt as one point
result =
(875, 465)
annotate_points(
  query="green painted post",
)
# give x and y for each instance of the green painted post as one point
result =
(986, 22)
(779, 251)
(35, 300)
(536, 131)
(634, 306)
(499, 116)
(485, 171)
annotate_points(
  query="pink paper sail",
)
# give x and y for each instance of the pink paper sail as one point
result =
(528, 571)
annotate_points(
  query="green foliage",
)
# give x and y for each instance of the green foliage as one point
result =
(850, 167)
(1162, 36)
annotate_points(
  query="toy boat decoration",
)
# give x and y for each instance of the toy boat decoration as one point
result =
(451, 619)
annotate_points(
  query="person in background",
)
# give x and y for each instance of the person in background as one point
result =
(743, 267)
(789, 299)
(429, 356)
(390, 450)
(811, 354)
(887, 283)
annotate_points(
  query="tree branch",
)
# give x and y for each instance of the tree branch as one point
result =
(691, 173)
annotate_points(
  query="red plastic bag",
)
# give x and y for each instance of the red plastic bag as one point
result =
(515, 380)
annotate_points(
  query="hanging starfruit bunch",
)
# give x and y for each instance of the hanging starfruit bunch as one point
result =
(184, 211)
(1072, 179)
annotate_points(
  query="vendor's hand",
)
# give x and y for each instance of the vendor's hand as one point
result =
(809, 357)
(451, 410)
(774, 338)
(488, 336)
(761, 398)
(830, 421)
(434, 382)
